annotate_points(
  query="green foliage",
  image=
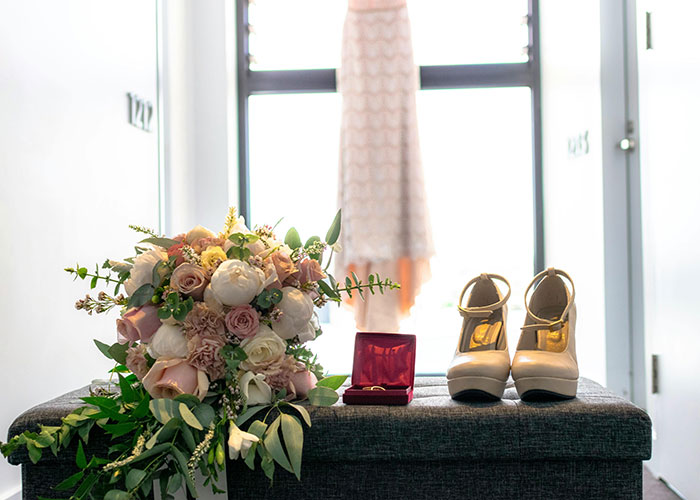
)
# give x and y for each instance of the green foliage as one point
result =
(334, 231)
(141, 296)
(175, 307)
(322, 396)
(334, 382)
(268, 298)
(332, 290)
(239, 250)
(292, 239)
(160, 242)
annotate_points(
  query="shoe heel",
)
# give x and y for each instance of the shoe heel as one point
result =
(473, 388)
(543, 388)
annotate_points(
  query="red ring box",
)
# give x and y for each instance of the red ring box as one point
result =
(387, 360)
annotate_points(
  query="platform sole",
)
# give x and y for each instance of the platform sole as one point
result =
(476, 388)
(546, 388)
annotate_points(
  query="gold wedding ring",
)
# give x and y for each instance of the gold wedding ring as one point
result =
(374, 388)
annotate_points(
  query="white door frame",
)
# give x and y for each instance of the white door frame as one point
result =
(624, 304)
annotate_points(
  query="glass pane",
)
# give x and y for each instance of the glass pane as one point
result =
(296, 34)
(477, 157)
(468, 31)
(307, 34)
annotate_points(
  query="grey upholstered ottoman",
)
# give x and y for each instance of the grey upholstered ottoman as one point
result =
(436, 448)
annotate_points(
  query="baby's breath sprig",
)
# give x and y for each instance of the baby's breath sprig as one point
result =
(200, 450)
(102, 304)
(138, 449)
(191, 256)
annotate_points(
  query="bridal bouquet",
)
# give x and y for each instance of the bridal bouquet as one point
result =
(211, 360)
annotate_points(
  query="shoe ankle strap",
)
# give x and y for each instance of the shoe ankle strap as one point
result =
(482, 311)
(542, 323)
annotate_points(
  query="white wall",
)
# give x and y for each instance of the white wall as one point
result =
(74, 174)
(573, 187)
(199, 96)
(669, 105)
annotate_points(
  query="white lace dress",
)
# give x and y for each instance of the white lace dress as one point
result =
(386, 226)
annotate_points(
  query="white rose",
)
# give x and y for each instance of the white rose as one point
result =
(142, 272)
(297, 309)
(255, 389)
(236, 283)
(239, 442)
(211, 301)
(263, 347)
(168, 342)
(198, 232)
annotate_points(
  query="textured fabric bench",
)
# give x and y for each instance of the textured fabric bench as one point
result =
(434, 448)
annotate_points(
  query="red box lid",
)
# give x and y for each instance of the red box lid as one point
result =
(385, 359)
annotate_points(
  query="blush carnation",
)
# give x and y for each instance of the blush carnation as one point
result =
(136, 361)
(176, 251)
(204, 322)
(242, 321)
(204, 355)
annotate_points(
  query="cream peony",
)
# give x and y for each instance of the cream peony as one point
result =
(297, 309)
(168, 342)
(197, 233)
(255, 389)
(142, 272)
(262, 349)
(236, 283)
(239, 442)
(211, 301)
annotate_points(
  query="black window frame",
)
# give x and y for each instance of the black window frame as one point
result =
(526, 74)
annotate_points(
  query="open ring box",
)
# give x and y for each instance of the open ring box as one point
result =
(383, 369)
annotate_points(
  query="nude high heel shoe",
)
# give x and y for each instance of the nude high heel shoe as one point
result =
(481, 363)
(545, 365)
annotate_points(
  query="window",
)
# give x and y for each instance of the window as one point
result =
(479, 124)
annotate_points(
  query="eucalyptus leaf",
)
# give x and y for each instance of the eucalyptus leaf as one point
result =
(334, 231)
(274, 445)
(248, 414)
(104, 348)
(134, 477)
(292, 239)
(189, 417)
(334, 382)
(118, 352)
(205, 414)
(164, 409)
(141, 296)
(303, 412)
(117, 495)
(70, 482)
(322, 396)
(161, 242)
(293, 440)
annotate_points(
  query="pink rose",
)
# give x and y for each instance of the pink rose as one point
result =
(176, 250)
(301, 382)
(242, 321)
(169, 378)
(136, 361)
(139, 323)
(309, 270)
(190, 279)
(204, 355)
(283, 265)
